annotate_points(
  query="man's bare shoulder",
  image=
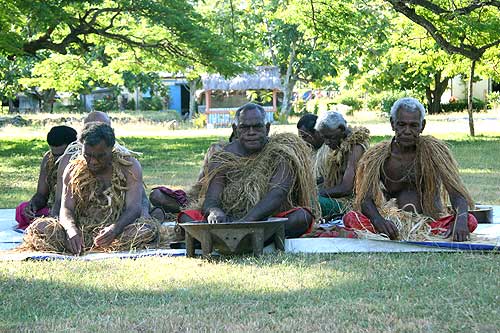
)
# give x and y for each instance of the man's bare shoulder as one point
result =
(131, 166)
(233, 147)
(45, 158)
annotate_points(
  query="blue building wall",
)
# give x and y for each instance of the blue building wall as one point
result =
(175, 98)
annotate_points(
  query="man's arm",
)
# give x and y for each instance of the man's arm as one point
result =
(133, 206)
(211, 206)
(63, 163)
(346, 187)
(382, 225)
(40, 198)
(67, 215)
(271, 203)
(459, 229)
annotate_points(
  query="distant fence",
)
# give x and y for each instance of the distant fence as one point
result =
(223, 117)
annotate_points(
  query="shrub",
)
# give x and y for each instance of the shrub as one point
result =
(151, 104)
(461, 105)
(493, 99)
(350, 98)
(108, 103)
(389, 98)
(200, 120)
(374, 102)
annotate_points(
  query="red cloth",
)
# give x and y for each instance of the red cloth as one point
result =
(197, 215)
(22, 220)
(179, 195)
(357, 221)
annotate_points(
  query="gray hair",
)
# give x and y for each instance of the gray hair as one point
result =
(409, 104)
(331, 120)
(246, 107)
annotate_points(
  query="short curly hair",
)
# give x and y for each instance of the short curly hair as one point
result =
(95, 132)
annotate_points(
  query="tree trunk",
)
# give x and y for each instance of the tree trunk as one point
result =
(47, 97)
(469, 98)
(192, 97)
(12, 108)
(288, 85)
(434, 95)
(137, 104)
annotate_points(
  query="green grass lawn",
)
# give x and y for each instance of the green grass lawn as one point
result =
(450, 292)
(455, 292)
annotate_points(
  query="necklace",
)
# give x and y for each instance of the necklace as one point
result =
(409, 175)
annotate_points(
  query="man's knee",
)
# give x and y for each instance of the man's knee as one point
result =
(298, 223)
(155, 197)
(165, 201)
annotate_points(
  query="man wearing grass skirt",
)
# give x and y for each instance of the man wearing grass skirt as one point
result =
(418, 172)
(74, 150)
(258, 176)
(336, 161)
(101, 202)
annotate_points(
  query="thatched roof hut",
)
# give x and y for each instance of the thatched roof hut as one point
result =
(229, 94)
(264, 78)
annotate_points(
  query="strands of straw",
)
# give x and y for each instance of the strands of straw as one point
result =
(248, 178)
(94, 210)
(436, 171)
(331, 164)
(52, 239)
(412, 226)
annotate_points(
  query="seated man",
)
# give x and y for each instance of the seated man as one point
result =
(257, 176)
(336, 161)
(305, 126)
(167, 202)
(40, 204)
(101, 202)
(417, 172)
(75, 149)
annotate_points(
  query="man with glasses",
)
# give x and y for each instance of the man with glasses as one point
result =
(258, 176)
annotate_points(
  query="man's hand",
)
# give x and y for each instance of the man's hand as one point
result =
(75, 241)
(216, 215)
(459, 229)
(28, 211)
(106, 236)
(386, 227)
(323, 193)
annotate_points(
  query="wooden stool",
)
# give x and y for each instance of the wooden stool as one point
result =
(228, 236)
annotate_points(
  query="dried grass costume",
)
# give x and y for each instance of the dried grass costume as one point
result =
(247, 179)
(435, 170)
(51, 166)
(331, 166)
(93, 211)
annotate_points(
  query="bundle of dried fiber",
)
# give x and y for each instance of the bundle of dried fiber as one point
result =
(247, 178)
(140, 234)
(143, 233)
(331, 164)
(52, 239)
(411, 226)
(194, 192)
(436, 171)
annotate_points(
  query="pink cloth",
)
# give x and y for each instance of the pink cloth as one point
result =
(179, 195)
(22, 220)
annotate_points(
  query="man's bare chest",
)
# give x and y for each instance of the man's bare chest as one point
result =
(399, 174)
